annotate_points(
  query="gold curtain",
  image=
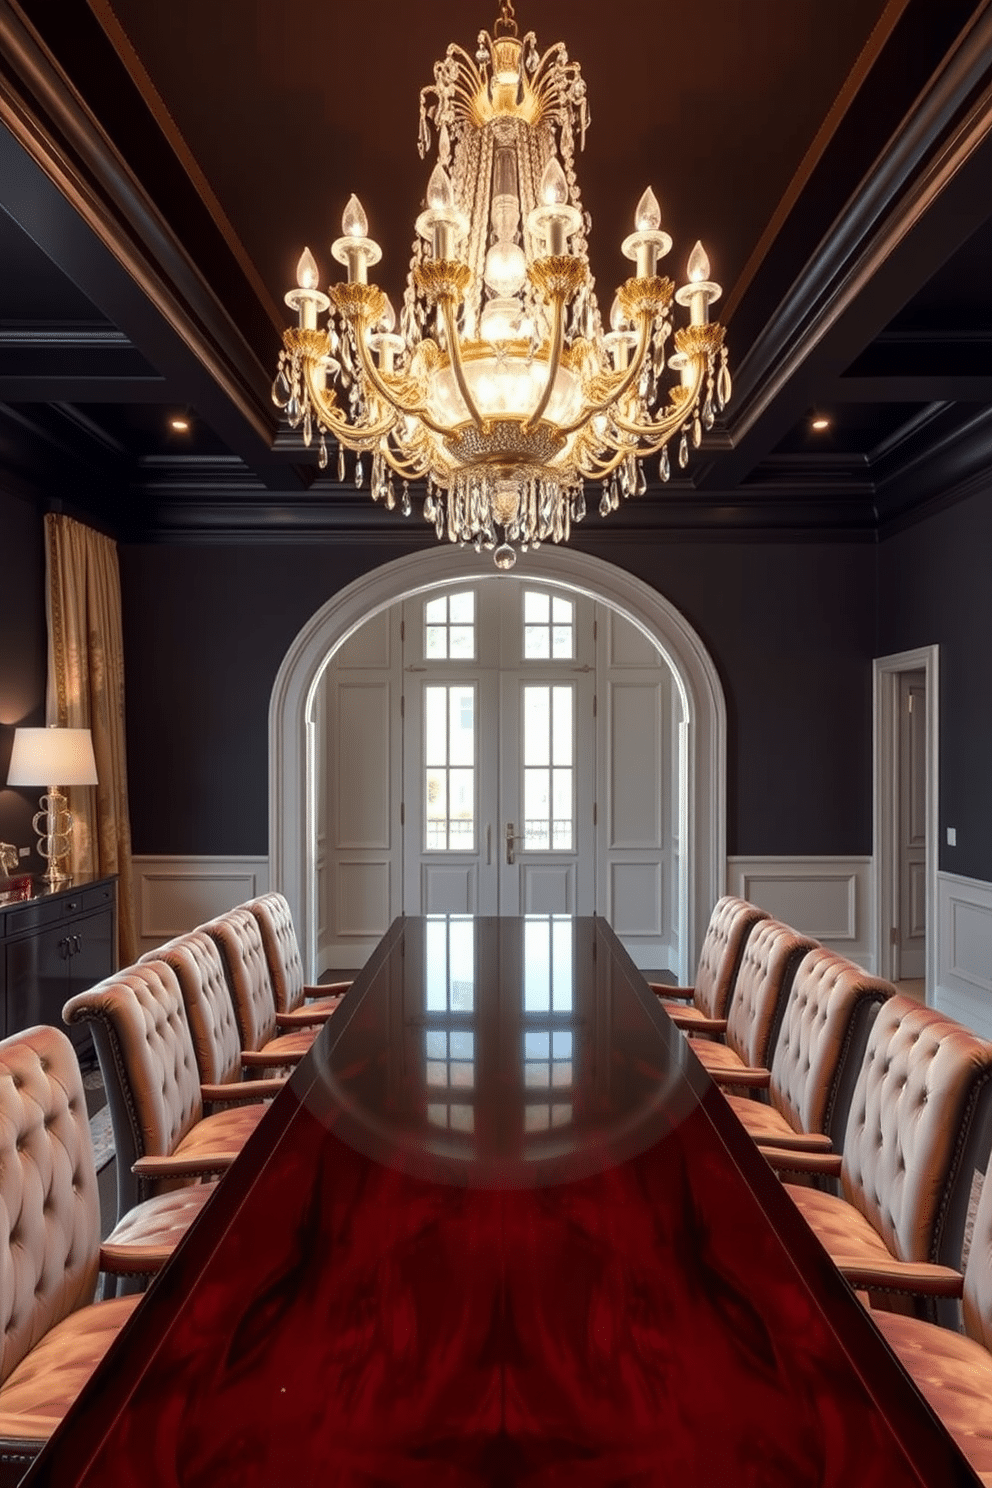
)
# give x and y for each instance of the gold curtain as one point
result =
(86, 690)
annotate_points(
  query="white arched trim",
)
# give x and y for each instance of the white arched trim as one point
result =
(702, 793)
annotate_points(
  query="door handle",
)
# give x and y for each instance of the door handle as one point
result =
(510, 840)
(489, 843)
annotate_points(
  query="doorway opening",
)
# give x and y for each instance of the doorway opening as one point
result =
(294, 723)
(906, 815)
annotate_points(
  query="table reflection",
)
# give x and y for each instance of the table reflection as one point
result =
(510, 1042)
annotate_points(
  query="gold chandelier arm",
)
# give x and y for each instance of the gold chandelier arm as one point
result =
(618, 389)
(667, 425)
(599, 471)
(335, 420)
(447, 305)
(408, 469)
(554, 362)
(389, 395)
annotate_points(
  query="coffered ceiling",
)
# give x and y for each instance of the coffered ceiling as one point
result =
(161, 168)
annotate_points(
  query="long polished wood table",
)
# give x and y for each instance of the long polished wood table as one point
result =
(500, 1228)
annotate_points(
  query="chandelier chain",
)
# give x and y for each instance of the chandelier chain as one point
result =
(506, 25)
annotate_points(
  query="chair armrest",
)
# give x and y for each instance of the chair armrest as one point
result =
(165, 1165)
(697, 1025)
(681, 994)
(122, 1260)
(259, 1059)
(326, 989)
(303, 1017)
(748, 1075)
(920, 1278)
(246, 1093)
(816, 1164)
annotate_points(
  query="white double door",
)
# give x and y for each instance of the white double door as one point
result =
(499, 752)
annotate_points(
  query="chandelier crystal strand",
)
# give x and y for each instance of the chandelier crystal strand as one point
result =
(498, 386)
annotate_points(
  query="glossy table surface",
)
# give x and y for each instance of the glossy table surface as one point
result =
(500, 1228)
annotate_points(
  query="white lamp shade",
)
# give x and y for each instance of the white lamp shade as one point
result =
(52, 756)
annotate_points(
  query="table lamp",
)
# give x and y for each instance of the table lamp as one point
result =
(38, 757)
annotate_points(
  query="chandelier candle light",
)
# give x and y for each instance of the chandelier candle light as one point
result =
(501, 390)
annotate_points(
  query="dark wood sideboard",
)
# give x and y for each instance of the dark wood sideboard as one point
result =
(55, 944)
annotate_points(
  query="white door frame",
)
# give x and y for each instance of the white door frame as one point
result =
(885, 805)
(293, 730)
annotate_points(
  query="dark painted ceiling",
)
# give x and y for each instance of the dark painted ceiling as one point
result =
(161, 168)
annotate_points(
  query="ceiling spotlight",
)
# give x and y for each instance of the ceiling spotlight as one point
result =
(819, 422)
(179, 424)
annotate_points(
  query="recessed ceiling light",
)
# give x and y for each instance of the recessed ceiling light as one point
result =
(819, 423)
(179, 425)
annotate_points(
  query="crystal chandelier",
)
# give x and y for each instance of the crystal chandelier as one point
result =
(500, 389)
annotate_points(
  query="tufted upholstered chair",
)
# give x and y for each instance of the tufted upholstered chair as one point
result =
(954, 1371)
(164, 1141)
(918, 1126)
(239, 940)
(730, 925)
(297, 1004)
(53, 1335)
(196, 960)
(771, 955)
(817, 1057)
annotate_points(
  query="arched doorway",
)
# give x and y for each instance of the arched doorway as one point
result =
(702, 752)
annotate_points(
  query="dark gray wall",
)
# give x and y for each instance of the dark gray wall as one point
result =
(23, 656)
(790, 627)
(935, 587)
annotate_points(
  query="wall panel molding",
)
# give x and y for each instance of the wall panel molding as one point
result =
(964, 951)
(828, 898)
(175, 894)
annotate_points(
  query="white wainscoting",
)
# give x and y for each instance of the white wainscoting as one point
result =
(827, 898)
(173, 895)
(964, 951)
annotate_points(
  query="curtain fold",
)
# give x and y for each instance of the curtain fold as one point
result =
(86, 690)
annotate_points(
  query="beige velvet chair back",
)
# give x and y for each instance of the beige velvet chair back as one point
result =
(977, 1300)
(282, 949)
(146, 1056)
(239, 940)
(49, 1206)
(730, 925)
(915, 1099)
(196, 960)
(816, 1027)
(771, 954)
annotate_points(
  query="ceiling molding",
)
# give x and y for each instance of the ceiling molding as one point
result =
(66, 143)
(841, 301)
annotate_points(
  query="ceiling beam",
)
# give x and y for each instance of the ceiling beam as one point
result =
(65, 184)
(914, 210)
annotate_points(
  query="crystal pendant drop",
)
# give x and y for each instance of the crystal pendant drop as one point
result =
(504, 557)
(642, 480)
(406, 508)
(665, 465)
(614, 495)
(579, 505)
(428, 507)
(359, 473)
(605, 505)
(281, 390)
(322, 457)
(390, 496)
(341, 462)
(709, 417)
(293, 412)
(307, 427)
(723, 385)
(697, 432)
(683, 451)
